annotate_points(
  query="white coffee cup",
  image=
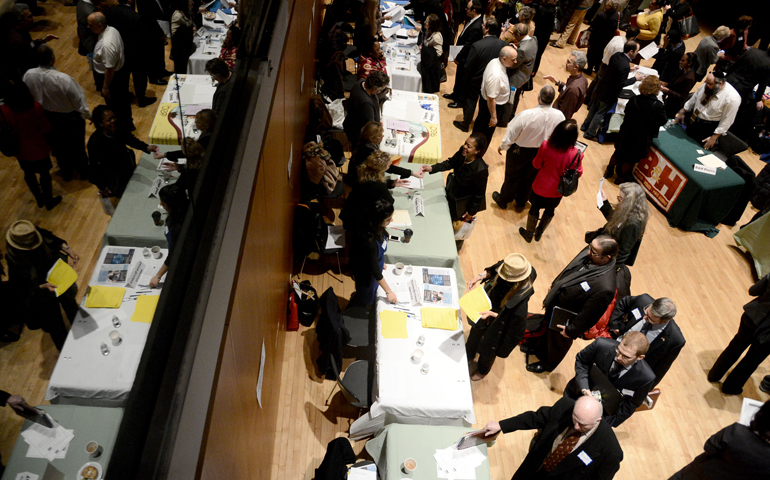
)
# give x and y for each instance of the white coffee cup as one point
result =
(408, 270)
(93, 449)
(417, 356)
(116, 338)
(410, 465)
(398, 268)
(146, 252)
(156, 252)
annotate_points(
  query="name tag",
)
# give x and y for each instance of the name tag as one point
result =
(628, 392)
(637, 313)
(585, 286)
(585, 458)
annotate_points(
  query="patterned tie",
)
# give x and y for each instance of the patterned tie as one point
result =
(560, 453)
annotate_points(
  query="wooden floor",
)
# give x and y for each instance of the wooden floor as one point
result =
(707, 278)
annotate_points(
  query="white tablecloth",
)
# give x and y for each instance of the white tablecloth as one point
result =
(419, 140)
(402, 69)
(206, 47)
(83, 375)
(401, 393)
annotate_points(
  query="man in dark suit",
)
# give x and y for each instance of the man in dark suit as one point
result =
(519, 74)
(574, 442)
(472, 32)
(751, 69)
(480, 54)
(654, 318)
(586, 287)
(623, 364)
(754, 334)
(616, 78)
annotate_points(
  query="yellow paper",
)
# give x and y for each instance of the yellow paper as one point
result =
(105, 297)
(393, 324)
(145, 308)
(444, 318)
(62, 275)
(475, 302)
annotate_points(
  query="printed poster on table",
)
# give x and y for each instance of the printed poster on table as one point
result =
(662, 181)
(436, 276)
(437, 295)
(420, 141)
(167, 127)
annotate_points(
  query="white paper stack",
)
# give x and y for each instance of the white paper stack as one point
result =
(48, 443)
(458, 464)
(712, 160)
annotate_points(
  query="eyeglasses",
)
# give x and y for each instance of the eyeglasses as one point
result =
(624, 357)
(593, 252)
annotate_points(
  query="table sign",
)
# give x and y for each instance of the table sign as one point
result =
(705, 169)
(660, 178)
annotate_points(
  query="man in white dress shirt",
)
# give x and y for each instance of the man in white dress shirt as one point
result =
(522, 139)
(495, 92)
(65, 106)
(109, 59)
(712, 110)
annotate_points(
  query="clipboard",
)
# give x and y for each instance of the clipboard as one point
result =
(36, 415)
(560, 316)
(472, 439)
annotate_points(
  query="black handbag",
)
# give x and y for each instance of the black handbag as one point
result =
(688, 26)
(9, 141)
(569, 181)
(307, 303)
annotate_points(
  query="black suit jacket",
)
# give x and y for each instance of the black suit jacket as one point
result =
(469, 181)
(130, 26)
(758, 310)
(470, 35)
(602, 447)
(639, 379)
(616, 78)
(750, 69)
(481, 53)
(666, 346)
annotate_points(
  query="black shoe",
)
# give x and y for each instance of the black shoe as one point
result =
(499, 201)
(51, 204)
(461, 126)
(455, 105)
(765, 385)
(145, 101)
(448, 96)
(609, 172)
(443, 76)
(158, 81)
(713, 378)
(727, 391)
(537, 367)
(529, 350)
(591, 137)
(527, 236)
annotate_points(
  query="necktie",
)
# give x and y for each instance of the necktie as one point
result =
(646, 328)
(614, 371)
(560, 453)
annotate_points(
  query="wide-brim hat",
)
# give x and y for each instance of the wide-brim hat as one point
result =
(515, 268)
(24, 236)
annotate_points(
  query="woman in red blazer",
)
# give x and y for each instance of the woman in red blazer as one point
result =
(552, 160)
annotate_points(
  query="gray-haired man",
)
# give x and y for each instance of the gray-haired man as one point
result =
(573, 91)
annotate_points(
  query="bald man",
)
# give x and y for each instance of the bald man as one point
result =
(495, 92)
(574, 442)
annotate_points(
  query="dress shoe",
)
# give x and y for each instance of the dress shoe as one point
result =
(499, 201)
(51, 204)
(448, 96)
(554, 44)
(537, 368)
(158, 81)
(765, 385)
(727, 391)
(455, 105)
(590, 137)
(145, 101)
(527, 349)
(713, 378)
(461, 126)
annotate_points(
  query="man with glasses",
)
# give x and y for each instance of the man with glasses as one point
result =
(623, 364)
(364, 104)
(655, 319)
(573, 91)
(586, 287)
(573, 443)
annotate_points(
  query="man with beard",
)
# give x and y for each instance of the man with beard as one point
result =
(711, 110)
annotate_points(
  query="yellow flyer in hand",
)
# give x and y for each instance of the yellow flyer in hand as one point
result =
(475, 302)
(444, 318)
(61, 275)
(393, 324)
(105, 297)
(145, 308)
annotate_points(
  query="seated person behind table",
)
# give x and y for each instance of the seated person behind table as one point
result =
(678, 88)
(508, 284)
(371, 137)
(173, 200)
(655, 319)
(220, 73)
(368, 245)
(111, 162)
(711, 111)
(467, 185)
(363, 104)
(623, 364)
(372, 59)
(205, 121)
(230, 46)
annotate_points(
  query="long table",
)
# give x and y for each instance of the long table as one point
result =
(132, 222)
(417, 135)
(402, 394)
(692, 201)
(396, 443)
(83, 375)
(402, 70)
(433, 243)
(89, 424)
(197, 93)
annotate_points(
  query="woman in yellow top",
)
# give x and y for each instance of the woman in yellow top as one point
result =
(649, 23)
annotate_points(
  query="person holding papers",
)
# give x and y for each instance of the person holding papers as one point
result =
(573, 442)
(32, 252)
(467, 186)
(173, 200)
(623, 364)
(626, 222)
(508, 284)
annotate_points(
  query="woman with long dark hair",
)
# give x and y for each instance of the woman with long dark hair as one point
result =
(554, 157)
(26, 118)
(230, 46)
(367, 254)
(508, 284)
(368, 24)
(431, 52)
(679, 87)
(626, 222)
(173, 200)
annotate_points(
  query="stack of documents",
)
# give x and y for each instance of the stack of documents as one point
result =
(48, 443)
(458, 464)
(713, 161)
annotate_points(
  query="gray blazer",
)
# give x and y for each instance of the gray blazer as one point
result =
(519, 74)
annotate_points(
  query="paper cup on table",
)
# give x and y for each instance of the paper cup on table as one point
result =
(408, 270)
(417, 356)
(93, 449)
(116, 338)
(156, 252)
(146, 252)
(409, 466)
(398, 268)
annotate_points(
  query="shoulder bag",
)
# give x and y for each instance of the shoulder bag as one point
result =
(569, 181)
(688, 26)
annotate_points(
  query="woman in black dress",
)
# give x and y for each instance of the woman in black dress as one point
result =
(508, 284)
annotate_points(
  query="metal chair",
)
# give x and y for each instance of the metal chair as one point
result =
(356, 320)
(355, 384)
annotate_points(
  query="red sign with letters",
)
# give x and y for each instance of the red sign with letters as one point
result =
(662, 181)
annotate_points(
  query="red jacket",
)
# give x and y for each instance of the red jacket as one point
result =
(30, 126)
(551, 165)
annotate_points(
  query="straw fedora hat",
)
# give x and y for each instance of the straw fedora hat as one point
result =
(515, 268)
(24, 236)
